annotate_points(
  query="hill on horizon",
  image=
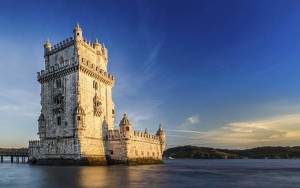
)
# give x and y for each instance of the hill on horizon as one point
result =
(266, 152)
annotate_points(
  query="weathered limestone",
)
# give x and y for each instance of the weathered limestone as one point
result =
(131, 147)
(77, 117)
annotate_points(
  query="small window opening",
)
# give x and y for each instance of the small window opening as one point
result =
(95, 85)
(58, 121)
(58, 83)
(58, 100)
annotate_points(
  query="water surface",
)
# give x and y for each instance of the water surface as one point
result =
(175, 173)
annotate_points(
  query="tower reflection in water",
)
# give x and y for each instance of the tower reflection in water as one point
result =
(120, 176)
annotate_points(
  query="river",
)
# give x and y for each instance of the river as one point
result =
(174, 173)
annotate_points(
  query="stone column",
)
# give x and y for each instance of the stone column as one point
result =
(11, 159)
(1, 158)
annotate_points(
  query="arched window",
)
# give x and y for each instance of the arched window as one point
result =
(127, 128)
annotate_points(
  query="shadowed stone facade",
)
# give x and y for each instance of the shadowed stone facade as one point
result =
(76, 124)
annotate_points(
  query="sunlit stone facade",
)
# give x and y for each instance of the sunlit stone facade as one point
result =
(76, 124)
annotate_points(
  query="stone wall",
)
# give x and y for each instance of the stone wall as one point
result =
(34, 150)
(137, 148)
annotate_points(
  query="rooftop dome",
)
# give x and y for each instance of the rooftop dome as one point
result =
(125, 121)
(160, 131)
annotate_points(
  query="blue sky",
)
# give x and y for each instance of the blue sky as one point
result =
(214, 73)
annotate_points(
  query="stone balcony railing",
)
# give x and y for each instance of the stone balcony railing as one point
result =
(34, 144)
(90, 69)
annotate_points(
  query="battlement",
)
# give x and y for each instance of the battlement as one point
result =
(57, 68)
(69, 65)
(101, 50)
(145, 136)
(59, 46)
(94, 47)
(90, 66)
(115, 135)
(136, 135)
(34, 144)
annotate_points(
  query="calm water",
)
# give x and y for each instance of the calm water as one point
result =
(175, 173)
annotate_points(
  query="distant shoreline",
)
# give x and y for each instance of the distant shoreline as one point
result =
(267, 152)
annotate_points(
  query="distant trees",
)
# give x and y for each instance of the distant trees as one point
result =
(194, 152)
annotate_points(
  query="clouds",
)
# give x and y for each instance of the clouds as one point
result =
(269, 131)
(193, 119)
(19, 110)
(19, 102)
(278, 130)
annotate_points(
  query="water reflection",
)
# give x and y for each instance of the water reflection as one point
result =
(175, 173)
(93, 177)
(121, 176)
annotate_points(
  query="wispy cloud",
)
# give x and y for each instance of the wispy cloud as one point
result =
(187, 131)
(190, 121)
(193, 119)
(277, 130)
(132, 94)
(19, 102)
(9, 107)
(149, 64)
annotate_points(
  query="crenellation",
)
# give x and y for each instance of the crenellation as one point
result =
(60, 46)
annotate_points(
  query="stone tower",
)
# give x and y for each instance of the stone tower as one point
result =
(76, 124)
(76, 99)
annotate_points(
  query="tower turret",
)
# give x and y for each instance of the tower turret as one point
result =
(42, 128)
(78, 33)
(47, 47)
(98, 47)
(125, 126)
(79, 117)
(105, 52)
(162, 138)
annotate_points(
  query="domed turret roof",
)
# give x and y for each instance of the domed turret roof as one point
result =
(77, 27)
(160, 131)
(47, 43)
(125, 121)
